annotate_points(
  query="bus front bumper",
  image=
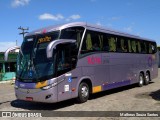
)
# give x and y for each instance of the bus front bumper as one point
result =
(37, 95)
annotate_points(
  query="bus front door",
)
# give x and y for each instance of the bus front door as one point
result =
(64, 67)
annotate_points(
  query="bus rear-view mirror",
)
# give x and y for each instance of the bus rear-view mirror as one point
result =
(53, 45)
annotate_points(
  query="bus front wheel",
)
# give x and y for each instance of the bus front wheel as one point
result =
(83, 92)
(141, 80)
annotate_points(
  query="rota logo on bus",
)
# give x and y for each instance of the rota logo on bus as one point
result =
(94, 60)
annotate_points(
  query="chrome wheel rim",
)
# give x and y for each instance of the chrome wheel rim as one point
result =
(141, 80)
(147, 78)
(84, 91)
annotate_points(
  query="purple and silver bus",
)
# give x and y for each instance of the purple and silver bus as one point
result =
(75, 60)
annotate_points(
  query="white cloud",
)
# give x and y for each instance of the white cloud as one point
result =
(47, 16)
(128, 29)
(6, 45)
(17, 3)
(73, 17)
(99, 23)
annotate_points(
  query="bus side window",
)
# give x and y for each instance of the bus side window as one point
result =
(105, 43)
(88, 42)
(138, 47)
(119, 49)
(93, 41)
(144, 47)
(154, 47)
(150, 48)
(112, 44)
(78, 38)
(101, 39)
(122, 45)
(133, 44)
(129, 46)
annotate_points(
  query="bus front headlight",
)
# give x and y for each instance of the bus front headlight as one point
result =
(49, 86)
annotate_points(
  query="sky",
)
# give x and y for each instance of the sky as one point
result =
(138, 17)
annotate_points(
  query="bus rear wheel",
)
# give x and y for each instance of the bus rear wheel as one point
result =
(83, 92)
(147, 79)
(141, 80)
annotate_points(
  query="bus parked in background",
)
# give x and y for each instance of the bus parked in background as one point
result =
(8, 69)
(75, 60)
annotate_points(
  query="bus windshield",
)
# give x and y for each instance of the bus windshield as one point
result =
(33, 64)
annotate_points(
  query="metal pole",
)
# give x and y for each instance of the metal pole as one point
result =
(24, 31)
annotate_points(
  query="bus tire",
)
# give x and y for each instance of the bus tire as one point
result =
(141, 80)
(147, 79)
(83, 92)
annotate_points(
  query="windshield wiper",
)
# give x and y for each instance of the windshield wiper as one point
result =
(34, 68)
(23, 69)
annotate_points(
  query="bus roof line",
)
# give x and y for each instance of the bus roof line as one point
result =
(87, 25)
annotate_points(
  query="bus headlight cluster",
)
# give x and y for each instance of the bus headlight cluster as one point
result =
(49, 86)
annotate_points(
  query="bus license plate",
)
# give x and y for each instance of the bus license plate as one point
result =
(29, 98)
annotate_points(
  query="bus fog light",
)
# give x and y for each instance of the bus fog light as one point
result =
(48, 96)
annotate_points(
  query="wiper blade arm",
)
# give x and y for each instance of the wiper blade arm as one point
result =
(23, 70)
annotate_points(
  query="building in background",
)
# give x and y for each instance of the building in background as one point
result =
(8, 69)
